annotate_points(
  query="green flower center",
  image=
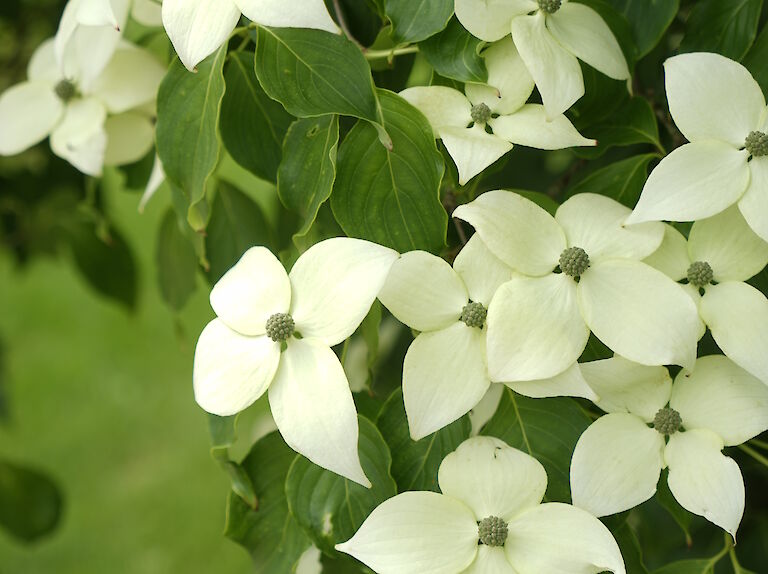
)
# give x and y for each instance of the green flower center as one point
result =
(65, 90)
(667, 421)
(480, 113)
(492, 531)
(700, 274)
(550, 6)
(280, 326)
(474, 314)
(574, 261)
(757, 144)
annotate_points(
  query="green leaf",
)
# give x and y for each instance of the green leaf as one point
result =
(369, 329)
(415, 463)
(392, 197)
(223, 433)
(188, 141)
(308, 170)
(331, 508)
(630, 548)
(756, 58)
(622, 181)
(269, 532)
(547, 429)
(30, 502)
(253, 125)
(649, 20)
(176, 263)
(687, 567)
(237, 223)
(417, 20)
(542, 200)
(680, 515)
(455, 53)
(727, 27)
(619, 25)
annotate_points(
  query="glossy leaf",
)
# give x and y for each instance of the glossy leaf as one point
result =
(455, 53)
(417, 20)
(622, 181)
(687, 567)
(30, 502)
(176, 263)
(633, 123)
(727, 27)
(649, 20)
(756, 58)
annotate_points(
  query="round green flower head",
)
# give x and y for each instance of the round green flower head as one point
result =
(757, 144)
(492, 531)
(574, 261)
(280, 326)
(65, 90)
(480, 113)
(550, 6)
(700, 274)
(474, 314)
(667, 421)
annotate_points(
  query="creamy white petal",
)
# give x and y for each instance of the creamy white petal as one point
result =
(334, 284)
(43, 66)
(416, 533)
(313, 408)
(737, 315)
(703, 480)
(596, 224)
(423, 292)
(130, 79)
(535, 329)
(569, 383)
(561, 538)
(28, 114)
(443, 106)
(490, 560)
(80, 138)
(482, 272)
(91, 47)
(444, 376)
(293, 14)
(253, 290)
(198, 27)
(130, 136)
(96, 13)
(516, 230)
(147, 12)
(754, 203)
(492, 478)
(490, 20)
(530, 126)
(696, 180)
(509, 82)
(712, 97)
(671, 258)
(483, 411)
(232, 371)
(616, 464)
(472, 149)
(582, 32)
(556, 71)
(156, 179)
(639, 312)
(627, 387)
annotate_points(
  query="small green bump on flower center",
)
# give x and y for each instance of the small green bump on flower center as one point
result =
(492, 531)
(480, 113)
(280, 327)
(65, 90)
(474, 314)
(550, 6)
(667, 421)
(757, 144)
(574, 261)
(700, 274)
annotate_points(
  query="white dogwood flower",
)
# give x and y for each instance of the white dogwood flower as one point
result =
(719, 107)
(653, 424)
(551, 35)
(721, 253)
(539, 322)
(90, 124)
(198, 27)
(489, 518)
(463, 122)
(274, 330)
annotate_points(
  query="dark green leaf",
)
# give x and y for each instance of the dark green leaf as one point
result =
(30, 503)
(253, 125)
(415, 463)
(540, 199)
(331, 508)
(369, 329)
(727, 27)
(757, 57)
(649, 20)
(687, 567)
(547, 429)
(622, 181)
(343, 564)
(630, 548)
(363, 19)
(392, 197)
(632, 123)
(417, 20)
(681, 516)
(455, 53)
(223, 433)
(176, 263)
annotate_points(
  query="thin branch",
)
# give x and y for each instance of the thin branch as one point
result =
(389, 54)
(754, 454)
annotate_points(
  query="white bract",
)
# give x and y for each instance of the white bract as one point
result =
(254, 344)
(618, 460)
(539, 322)
(721, 253)
(104, 121)
(720, 109)
(489, 518)
(550, 35)
(461, 120)
(198, 27)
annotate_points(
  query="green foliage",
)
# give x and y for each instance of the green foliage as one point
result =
(727, 27)
(176, 263)
(649, 20)
(30, 502)
(416, 20)
(633, 123)
(622, 181)
(455, 53)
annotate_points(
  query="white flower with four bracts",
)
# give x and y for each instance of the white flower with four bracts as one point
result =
(539, 321)
(719, 107)
(461, 121)
(489, 518)
(275, 330)
(653, 424)
(551, 36)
